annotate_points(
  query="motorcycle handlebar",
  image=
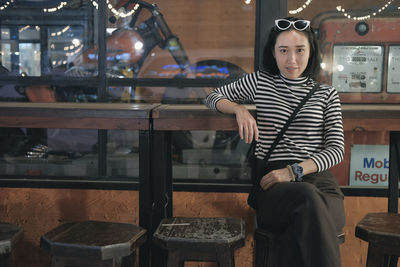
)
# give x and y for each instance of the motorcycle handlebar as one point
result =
(172, 42)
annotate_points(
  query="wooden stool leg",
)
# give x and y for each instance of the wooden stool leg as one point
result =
(5, 260)
(175, 259)
(79, 262)
(376, 257)
(107, 263)
(225, 258)
(56, 262)
(129, 261)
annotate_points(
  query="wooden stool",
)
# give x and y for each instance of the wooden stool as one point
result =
(93, 243)
(263, 240)
(382, 232)
(200, 239)
(10, 234)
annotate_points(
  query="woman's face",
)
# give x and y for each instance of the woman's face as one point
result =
(292, 51)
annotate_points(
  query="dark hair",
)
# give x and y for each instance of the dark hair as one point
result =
(269, 62)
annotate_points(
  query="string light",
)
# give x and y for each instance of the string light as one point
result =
(122, 14)
(7, 4)
(73, 46)
(301, 8)
(340, 9)
(54, 9)
(24, 28)
(94, 3)
(79, 48)
(53, 34)
(117, 13)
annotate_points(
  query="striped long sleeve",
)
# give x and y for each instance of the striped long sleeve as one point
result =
(317, 130)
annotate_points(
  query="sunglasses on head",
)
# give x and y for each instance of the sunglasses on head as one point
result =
(284, 24)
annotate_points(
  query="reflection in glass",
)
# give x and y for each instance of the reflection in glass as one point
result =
(123, 153)
(210, 155)
(66, 152)
(29, 32)
(170, 95)
(5, 58)
(157, 41)
(29, 59)
(64, 45)
(12, 92)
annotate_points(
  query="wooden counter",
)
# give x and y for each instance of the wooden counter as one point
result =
(199, 117)
(166, 117)
(76, 115)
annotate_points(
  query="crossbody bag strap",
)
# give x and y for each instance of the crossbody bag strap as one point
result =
(286, 126)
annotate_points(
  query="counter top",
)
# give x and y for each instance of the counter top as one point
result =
(373, 117)
(76, 115)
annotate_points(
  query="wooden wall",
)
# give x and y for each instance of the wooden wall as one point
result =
(39, 210)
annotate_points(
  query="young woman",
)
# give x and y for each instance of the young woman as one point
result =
(295, 195)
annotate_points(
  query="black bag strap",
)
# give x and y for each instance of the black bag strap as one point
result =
(286, 126)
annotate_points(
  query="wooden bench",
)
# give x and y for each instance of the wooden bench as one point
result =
(200, 239)
(93, 243)
(10, 234)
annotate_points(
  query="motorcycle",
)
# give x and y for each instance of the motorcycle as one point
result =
(128, 50)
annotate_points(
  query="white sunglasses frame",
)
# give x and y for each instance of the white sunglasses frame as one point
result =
(292, 23)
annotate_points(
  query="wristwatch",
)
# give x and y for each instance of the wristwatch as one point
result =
(298, 172)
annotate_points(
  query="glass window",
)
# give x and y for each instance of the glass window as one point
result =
(64, 45)
(38, 40)
(173, 40)
(56, 153)
(29, 33)
(359, 41)
(165, 39)
(210, 155)
(29, 59)
(345, 28)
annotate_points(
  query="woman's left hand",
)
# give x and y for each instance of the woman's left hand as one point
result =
(275, 176)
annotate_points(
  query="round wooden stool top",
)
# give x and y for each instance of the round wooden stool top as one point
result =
(200, 233)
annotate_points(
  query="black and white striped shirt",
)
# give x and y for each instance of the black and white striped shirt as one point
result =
(317, 130)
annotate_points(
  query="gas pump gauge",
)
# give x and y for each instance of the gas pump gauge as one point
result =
(393, 79)
(358, 68)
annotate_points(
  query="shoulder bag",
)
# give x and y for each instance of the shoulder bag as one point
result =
(260, 166)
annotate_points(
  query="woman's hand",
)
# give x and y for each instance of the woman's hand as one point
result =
(247, 124)
(275, 176)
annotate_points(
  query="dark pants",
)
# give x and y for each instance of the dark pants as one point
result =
(306, 217)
